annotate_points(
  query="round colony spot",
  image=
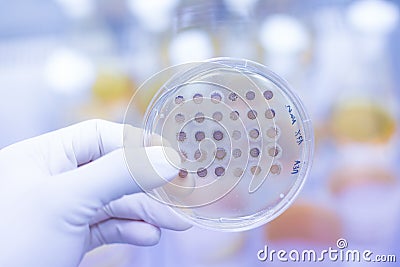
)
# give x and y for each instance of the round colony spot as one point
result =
(220, 153)
(254, 152)
(236, 134)
(202, 172)
(234, 115)
(272, 132)
(181, 136)
(216, 98)
(183, 173)
(217, 116)
(198, 98)
(179, 118)
(199, 136)
(273, 151)
(219, 171)
(255, 170)
(236, 153)
(233, 96)
(252, 114)
(237, 172)
(199, 117)
(276, 169)
(254, 133)
(250, 95)
(200, 155)
(218, 135)
(179, 99)
(270, 113)
(268, 94)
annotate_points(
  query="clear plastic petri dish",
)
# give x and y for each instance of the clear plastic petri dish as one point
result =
(244, 138)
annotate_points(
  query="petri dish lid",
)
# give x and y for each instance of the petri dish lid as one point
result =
(244, 138)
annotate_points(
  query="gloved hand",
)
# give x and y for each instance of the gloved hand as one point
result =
(69, 191)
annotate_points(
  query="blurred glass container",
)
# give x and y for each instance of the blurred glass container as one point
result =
(366, 110)
(222, 30)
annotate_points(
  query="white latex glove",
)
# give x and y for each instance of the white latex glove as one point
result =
(69, 191)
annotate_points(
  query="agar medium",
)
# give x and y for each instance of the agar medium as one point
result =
(244, 140)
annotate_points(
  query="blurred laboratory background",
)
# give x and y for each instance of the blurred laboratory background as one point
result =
(64, 61)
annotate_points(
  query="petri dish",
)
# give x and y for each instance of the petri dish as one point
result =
(245, 140)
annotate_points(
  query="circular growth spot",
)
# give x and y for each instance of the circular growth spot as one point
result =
(202, 172)
(254, 133)
(276, 169)
(236, 153)
(183, 173)
(272, 132)
(199, 117)
(252, 114)
(270, 113)
(237, 172)
(179, 118)
(273, 151)
(200, 155)
(233, 96)
(268, 94)
(218, 135)
(198, 98)
(234, 115)
(220, 153)
(255, 170)
(219, 171)
(236, 134)
(179, 99)
(181, 136)
(199, 136)
(254, 152)
(250, 95)
(216, 98)
(217, 116)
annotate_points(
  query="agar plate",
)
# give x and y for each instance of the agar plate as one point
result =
(244, 138)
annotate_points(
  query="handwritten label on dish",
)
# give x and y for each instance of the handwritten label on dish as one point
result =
(296, 167)
(292, 116)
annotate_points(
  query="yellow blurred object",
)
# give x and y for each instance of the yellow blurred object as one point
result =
(143, 98)
(112, 85)
(363, 122)
(145, 93)
(351, 177)
(305, 222)
(111, 93)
